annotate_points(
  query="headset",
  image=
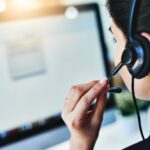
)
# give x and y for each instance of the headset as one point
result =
(136, 55)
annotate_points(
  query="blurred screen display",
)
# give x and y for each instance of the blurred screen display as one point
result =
(40, 59)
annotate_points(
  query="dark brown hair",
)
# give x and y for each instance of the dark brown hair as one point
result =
(120, 11)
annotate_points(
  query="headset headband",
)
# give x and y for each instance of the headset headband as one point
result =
(134, 11)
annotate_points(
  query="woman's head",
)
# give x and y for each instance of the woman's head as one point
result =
(120, 12)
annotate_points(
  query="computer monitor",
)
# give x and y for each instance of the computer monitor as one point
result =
(42, 54)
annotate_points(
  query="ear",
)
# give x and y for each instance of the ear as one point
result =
(146, 35)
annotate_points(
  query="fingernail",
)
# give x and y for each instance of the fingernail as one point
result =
(103, 80)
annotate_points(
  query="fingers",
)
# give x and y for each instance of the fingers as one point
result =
(75, 93)
(100, 106)
(83, 105)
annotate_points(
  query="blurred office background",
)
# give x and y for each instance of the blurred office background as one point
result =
(120, 127)
(31, 4)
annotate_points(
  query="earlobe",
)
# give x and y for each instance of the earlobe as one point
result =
(146, 35)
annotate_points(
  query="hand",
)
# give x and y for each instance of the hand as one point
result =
(84, 124)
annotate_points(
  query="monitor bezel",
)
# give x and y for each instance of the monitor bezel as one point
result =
(54, 121)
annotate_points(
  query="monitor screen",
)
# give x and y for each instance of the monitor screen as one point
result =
(41, 58)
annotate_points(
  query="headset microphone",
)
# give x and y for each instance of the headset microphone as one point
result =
(115, 90)
(115, 71)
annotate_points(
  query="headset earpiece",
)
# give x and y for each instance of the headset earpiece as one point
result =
(138, 52)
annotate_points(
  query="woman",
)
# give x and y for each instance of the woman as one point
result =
(84, 125)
